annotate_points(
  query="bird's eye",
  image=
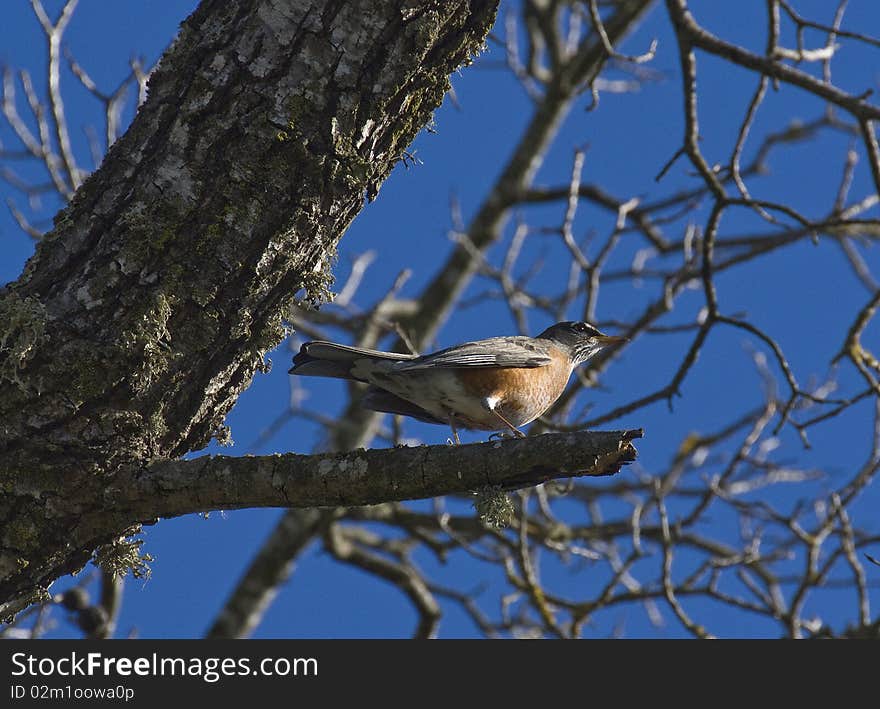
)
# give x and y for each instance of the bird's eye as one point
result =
(583, 328)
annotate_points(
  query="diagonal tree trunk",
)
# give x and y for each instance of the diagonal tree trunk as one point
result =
(148, 308)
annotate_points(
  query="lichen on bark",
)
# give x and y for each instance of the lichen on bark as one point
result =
(22, 327)
(152, 303)
(123, 556)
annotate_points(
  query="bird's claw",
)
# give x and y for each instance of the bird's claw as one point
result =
(505, 435)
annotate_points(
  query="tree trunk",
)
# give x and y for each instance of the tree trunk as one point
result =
(146, 311)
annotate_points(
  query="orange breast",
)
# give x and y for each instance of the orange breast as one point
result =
(523, 394)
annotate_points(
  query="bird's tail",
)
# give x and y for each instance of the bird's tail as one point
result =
(327, 359)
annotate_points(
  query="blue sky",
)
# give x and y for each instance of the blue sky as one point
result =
(805, 296)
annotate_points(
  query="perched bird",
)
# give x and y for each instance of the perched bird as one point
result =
(488, 385)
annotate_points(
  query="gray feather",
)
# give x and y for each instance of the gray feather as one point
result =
(344, 353)
(377, 399)
(321, 368)
(494, 352)
(327, 359)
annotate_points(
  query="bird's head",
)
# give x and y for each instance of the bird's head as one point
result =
(580, 339)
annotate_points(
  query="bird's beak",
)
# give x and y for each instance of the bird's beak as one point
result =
(606, 340)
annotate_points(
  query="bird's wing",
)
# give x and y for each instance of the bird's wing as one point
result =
(494, 352)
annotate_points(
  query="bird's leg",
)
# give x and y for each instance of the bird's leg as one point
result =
(516, 432)
(454, 430)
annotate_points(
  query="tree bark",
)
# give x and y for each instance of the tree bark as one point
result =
(361, 477)
(148, 308)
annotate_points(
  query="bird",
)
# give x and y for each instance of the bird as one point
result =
(496, 384)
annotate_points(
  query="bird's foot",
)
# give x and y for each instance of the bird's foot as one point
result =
(506, 435)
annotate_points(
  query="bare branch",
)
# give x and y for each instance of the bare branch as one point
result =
(178, 487)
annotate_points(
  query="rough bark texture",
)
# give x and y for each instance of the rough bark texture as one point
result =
(363, 477)
(149, 307)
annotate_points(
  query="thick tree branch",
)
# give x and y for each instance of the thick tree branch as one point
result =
(364, 477)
